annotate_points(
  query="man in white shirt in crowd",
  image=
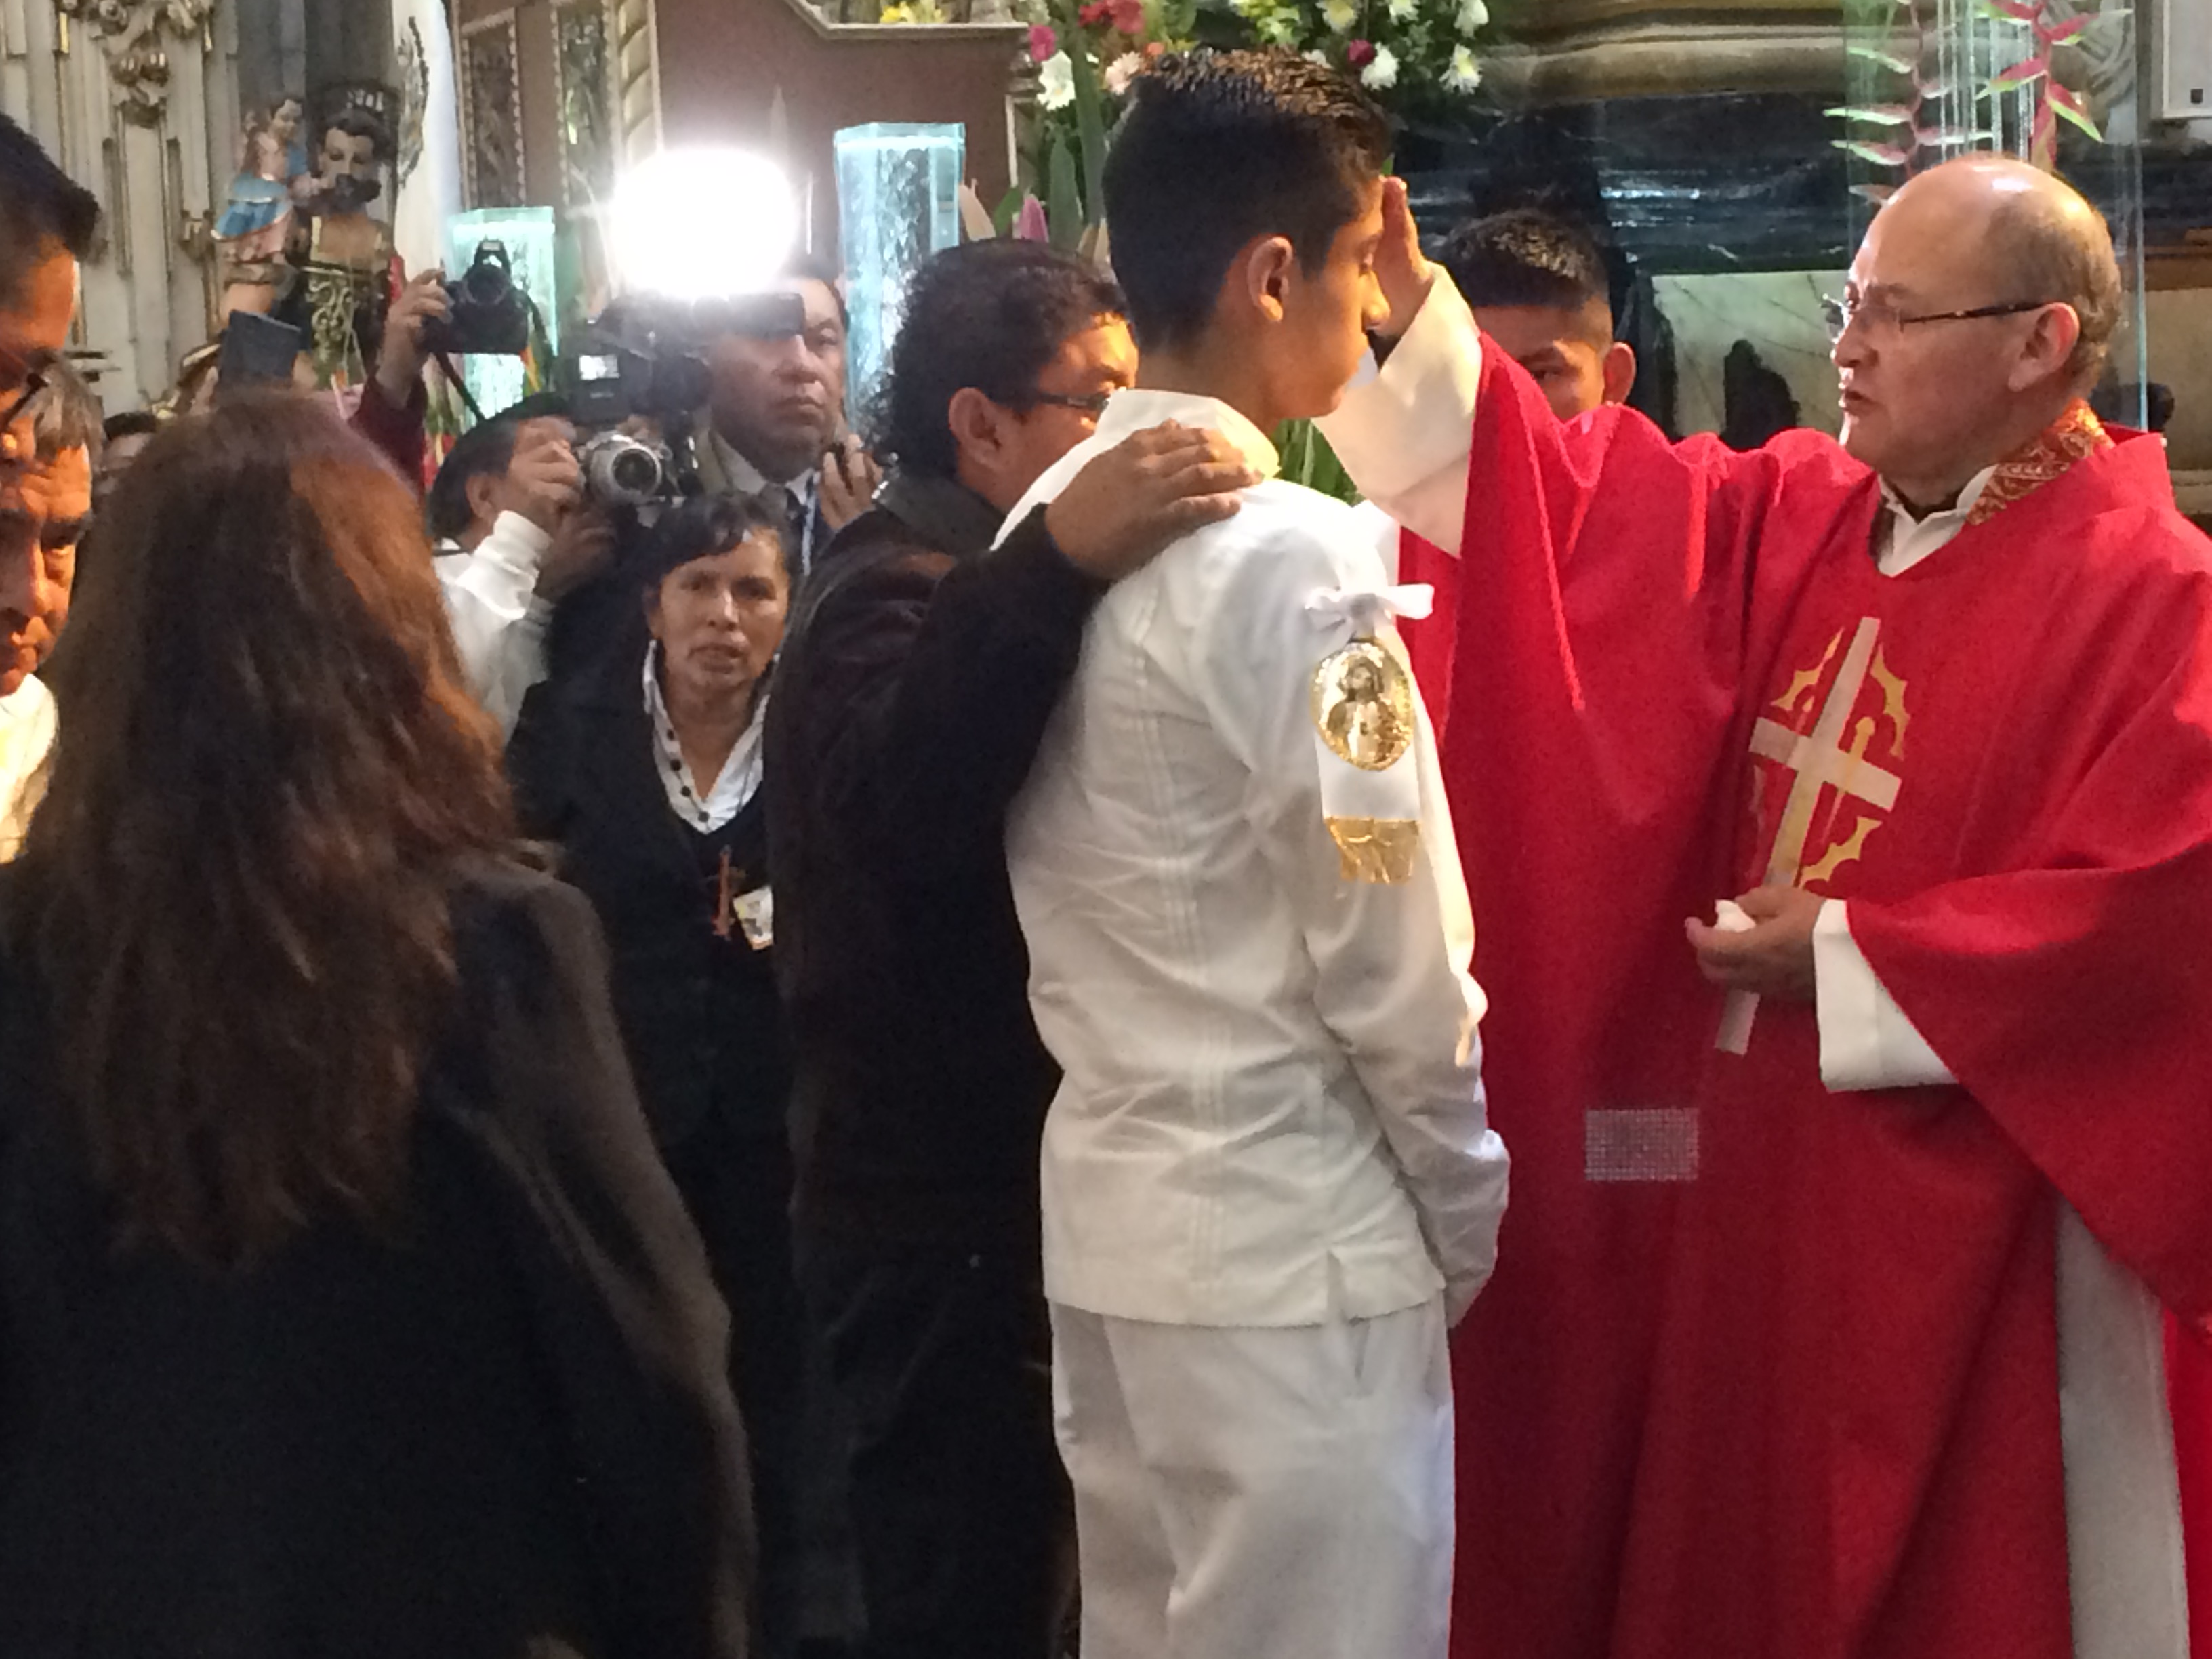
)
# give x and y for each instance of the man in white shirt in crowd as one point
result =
(1268, 1183)
(44, 505)
(514, 535)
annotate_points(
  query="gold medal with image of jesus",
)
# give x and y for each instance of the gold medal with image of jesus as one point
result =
(1362, 706)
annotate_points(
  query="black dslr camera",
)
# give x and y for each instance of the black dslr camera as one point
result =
(490, 316)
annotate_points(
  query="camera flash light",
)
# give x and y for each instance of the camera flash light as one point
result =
(702, 224)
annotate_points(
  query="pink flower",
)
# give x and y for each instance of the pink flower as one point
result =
(1154, 49)
(1095, 14)
(1129, 15)
(1359, 53)
(1043, 42)
(1028, 223)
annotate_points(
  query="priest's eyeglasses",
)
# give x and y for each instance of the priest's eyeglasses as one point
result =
(1883, 317)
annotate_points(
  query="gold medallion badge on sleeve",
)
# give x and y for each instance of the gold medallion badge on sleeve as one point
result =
(1364, 714)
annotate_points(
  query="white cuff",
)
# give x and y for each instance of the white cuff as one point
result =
(1403, 432)
(515, 544)
(1867, 1042)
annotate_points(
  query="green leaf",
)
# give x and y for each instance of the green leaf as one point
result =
(1882, 155)
(1089, 121)
(1880, 115)
(2068, 106)
(1002, 217)
(1063, 204)
(1889, 60)
(2027, 70)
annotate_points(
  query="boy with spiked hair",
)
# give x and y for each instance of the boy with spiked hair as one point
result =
(1268, 1183)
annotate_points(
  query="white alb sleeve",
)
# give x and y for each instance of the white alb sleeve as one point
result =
(1404, 431)
(1867, 1042)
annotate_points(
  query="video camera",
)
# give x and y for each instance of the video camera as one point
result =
(645, 360)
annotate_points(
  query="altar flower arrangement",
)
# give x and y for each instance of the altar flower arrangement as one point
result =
(1083, 55)
(1408, 53)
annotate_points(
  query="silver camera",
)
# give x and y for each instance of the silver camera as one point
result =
(620, 470)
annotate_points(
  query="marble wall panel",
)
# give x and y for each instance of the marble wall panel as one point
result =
(1778, 312)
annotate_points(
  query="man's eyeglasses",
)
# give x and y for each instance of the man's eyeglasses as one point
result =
(1883, 318)
(1093, 405)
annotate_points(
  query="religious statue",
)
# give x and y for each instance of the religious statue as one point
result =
(344, 256)
(256, 223)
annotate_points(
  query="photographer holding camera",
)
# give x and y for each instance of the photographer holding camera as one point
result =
(514, 536)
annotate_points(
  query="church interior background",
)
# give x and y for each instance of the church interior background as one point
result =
(1727, 149)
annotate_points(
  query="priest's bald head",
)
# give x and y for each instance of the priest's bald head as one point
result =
(1982, 302)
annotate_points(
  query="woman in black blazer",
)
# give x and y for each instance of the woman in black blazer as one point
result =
(649, 781)
(345, 1311)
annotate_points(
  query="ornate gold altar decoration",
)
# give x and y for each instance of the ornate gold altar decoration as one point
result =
(132, 36)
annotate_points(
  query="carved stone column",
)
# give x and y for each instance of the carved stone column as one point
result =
(1564, 51)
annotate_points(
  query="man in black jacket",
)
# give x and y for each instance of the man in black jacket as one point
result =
(913, 690)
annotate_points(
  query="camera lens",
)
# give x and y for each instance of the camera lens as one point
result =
(635, 471)
(485, 283)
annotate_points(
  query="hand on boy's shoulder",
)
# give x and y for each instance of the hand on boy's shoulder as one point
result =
(1127, 504)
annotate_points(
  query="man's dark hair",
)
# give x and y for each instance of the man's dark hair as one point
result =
(989, 315)
(39, 205)
(1526, 256)
(65, 413)
(1218, 148)
(702, 525)
(130, 423)
(486, 448)
(813, 268)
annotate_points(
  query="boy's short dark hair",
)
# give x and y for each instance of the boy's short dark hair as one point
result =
(1218, 148)
(39, 206)
(991, 315)
(1526, 256)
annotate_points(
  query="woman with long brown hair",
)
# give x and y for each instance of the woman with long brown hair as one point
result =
(344, 1307)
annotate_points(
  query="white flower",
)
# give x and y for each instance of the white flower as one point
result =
(1339, 15)
(1402, 11)
(1056, 81)
(1473, 15)
(1382, 74)
(1464, 74)
(1122, 70)
(1317, 56)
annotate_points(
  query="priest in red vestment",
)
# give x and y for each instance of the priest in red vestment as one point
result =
(1828, 1321)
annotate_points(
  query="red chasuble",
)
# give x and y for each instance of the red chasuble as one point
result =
(1768, 1373)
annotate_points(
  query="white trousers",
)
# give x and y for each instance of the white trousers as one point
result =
(1259, 1493)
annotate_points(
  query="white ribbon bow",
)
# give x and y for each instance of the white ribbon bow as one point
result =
(1366, 610)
